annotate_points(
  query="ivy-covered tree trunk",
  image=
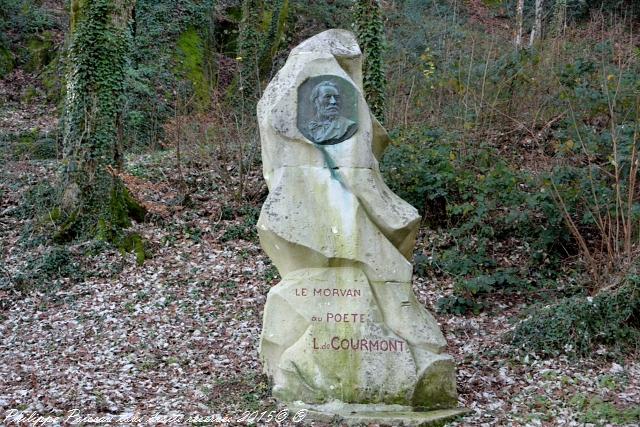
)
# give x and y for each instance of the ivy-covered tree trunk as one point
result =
(94, 202)
(370, 32)
(260, 35)
(249, 44)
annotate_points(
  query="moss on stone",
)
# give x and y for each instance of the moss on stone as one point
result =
(190, 64)
(134, 243)
(40, 50)
(437, 387)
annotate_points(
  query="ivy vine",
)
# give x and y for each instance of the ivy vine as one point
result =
(370, 32)
(94, 201)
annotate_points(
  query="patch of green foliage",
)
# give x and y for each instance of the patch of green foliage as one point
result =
(168, 45)
(469, 294)
(40, 51)
(578, 324)
(134, 243)
(24, 36)
(6, 61)
(482, 201)
(37, 201)
(32, 145)
(24, 18)
(596, 411)
(44, 273)
(370, 31)
(271, 274)
(246, 230)
(58, 265)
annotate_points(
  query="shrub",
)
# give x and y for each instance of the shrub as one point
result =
(470, 294)
(245, 230)
(43, 273)
(36, 201)
(31, 145)
(483, 203)
(578, 324)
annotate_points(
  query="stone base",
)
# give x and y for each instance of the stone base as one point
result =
(363, 415)
(330, 335)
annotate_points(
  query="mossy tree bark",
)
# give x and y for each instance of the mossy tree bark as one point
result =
(94, 202)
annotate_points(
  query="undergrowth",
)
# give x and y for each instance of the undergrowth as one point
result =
(577, 325)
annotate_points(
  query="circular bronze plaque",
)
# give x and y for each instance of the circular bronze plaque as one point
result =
(327, 109)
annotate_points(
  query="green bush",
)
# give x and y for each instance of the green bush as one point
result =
(44, 273)
(577, 325)
(36, 201)
(31, 145)
(477, 193)
(482, 202)
(245, 230)
(470, 294)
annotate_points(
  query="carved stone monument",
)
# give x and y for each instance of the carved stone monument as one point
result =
(343, 328)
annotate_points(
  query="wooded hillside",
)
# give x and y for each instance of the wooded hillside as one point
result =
(131, 277)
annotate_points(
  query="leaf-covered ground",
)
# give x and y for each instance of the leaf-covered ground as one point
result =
(87, 328)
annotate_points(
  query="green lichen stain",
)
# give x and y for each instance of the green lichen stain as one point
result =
(190, 64)
(436, 389)
(346, 363)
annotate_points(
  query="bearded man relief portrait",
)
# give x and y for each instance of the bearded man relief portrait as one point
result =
(325, 108)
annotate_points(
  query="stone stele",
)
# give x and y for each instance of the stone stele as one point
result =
(343, 327)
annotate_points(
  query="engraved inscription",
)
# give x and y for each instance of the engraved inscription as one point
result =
(363, 344)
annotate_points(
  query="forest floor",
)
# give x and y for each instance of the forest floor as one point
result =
(84, 327)
(179, 334)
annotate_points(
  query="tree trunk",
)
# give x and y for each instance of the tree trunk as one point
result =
(560, 17)
(519, 23)
(249, 46)
(536, 32)
(260, 35)
(94, 202)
